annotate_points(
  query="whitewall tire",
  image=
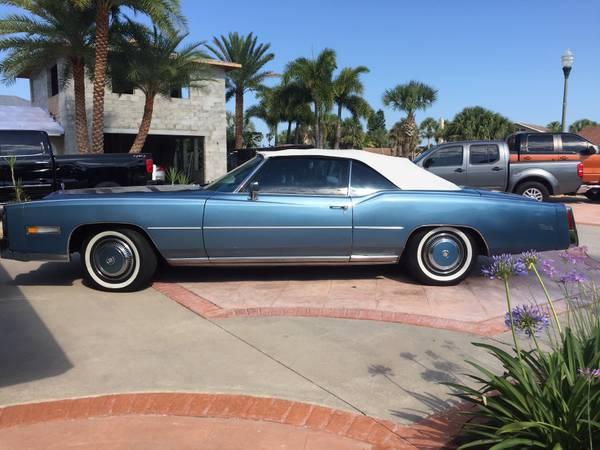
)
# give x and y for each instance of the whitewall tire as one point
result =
(118, 260)
(442, 256)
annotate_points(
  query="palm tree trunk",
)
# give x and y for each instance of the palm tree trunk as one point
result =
(275, 134)
(81, 123)
(239, 119)
(338, 127)
(317, 127)
(140, 139)
(101, 43)
(289, 132)
(297, 133)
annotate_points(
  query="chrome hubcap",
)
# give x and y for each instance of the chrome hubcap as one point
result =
(534, 193)
(113, 259)
(444, 253)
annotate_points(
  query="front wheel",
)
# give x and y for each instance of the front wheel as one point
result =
(119, 260)
(442, 256)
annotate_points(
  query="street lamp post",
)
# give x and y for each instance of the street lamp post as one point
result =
(567, 63)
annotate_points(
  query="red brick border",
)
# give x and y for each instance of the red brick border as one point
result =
(209, 310)
(432, 433)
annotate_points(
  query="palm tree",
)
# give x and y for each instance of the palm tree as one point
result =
(316, 76)
(244, 50)
(155, 62)
(353, 135)
(267, 110)
(410, 98)
(165, 13)
(554, 126)
(52, 31)
(580, 124)
(477, 123)
(293, 100)
(347, 94)
(429, 129)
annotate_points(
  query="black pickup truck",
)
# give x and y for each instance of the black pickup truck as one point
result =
(42, 172)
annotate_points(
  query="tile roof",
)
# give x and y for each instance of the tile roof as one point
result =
(592, 134)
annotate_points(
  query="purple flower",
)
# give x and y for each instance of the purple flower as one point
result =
(574, 255)
(503, 266)
(530, 258)
(589, 373)
(548, 268)
(530, 320)
(572, 277)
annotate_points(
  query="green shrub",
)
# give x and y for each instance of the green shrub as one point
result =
(544, 399)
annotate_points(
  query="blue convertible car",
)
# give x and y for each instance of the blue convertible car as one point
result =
(287, 207)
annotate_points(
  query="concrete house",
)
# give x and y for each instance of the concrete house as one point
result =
(188, 130)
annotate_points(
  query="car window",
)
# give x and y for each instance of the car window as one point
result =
(447, 156)
(230, 181)
(484, 154)
(571, 143)
(365, 180)
(540, 143)
(303, 175)
(21, 144)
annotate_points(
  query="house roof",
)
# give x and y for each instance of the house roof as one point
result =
(28, 118)
(592, 134)
(225, 65)
(532, 127)
(400, 171)
(13, 100)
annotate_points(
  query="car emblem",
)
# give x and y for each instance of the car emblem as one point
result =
(445, 253)
(110, 261)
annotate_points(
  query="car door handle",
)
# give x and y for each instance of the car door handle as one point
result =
(527, 158)
(497, 169)
(344, 207)
(459, 170)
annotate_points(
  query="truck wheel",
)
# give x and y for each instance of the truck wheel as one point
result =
(442, 256)
(119, 260)
(593, 195)
(533, 189)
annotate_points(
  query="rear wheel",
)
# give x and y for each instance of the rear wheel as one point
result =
(442, 256)
(118, 260)
(534, 190)
(593, 195)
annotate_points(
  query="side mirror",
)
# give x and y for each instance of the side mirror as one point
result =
(427, 163)
(253, 190)
(590, 150)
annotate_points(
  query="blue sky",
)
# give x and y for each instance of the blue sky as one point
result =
(503, 55)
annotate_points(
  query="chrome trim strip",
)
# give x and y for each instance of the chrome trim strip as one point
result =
(278, 260)
(379, 228)
(242, 185)
(280, 228)
(174, 228)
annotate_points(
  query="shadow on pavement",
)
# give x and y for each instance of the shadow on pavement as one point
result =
(28, 351)
(50, 274)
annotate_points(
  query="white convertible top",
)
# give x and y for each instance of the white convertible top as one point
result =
(400, 171)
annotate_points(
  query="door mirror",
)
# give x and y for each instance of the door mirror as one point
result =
(427, 163)
(589, 150)
(253, 190)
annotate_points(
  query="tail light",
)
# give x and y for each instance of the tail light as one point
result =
(580, 170)
(149, 166)
(573, 235)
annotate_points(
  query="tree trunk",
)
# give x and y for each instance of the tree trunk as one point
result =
(297, 133)
(140, 139)
(239, 119)
(338, 128)
(317, 127)
(81, 123)
(101, 43)
(275, 134)
(289, 132)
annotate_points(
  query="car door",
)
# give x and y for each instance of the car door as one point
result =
(448, 162)
(486, 167)
(301, 213)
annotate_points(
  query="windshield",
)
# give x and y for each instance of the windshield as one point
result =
(424, 154)
(230, 181)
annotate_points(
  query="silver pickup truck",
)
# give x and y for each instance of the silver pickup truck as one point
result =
(487, 165)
